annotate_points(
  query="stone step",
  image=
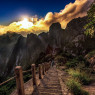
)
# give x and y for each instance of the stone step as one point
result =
(51, 87)
(50, 90)
(50, 84)
(45, 79)
(47, 93)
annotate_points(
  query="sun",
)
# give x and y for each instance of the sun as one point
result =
(25, 23)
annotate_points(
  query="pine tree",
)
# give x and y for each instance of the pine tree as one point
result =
(90, 26)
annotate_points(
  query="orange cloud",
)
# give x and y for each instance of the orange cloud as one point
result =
(72, 10)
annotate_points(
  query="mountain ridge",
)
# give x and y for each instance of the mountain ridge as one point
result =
(26, 50)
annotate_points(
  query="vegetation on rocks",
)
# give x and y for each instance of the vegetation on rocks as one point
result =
(90, 26)
(83, 77)
(80, 74)
(90, 54)
(78, 68)
(60, 59)
(7, 88)
(75, 87)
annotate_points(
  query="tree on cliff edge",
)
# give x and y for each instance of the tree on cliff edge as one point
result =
(90, 26)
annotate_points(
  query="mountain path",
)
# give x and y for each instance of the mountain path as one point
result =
(50, 84)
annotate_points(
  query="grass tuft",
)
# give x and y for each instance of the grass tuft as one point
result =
(81, 76)
(75, 87)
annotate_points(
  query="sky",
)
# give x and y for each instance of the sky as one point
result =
(36, 16)
(11, 10)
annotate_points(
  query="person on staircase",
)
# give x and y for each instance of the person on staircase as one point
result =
(52, 63)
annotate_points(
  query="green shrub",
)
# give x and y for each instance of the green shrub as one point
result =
(75, 87)
(61, 60)
(7, 88)
(91, 54)
(4, 91)
(81, 76)
(67, 55)
(77, 62)
(59, 64)
(72, 63)
(27, 77)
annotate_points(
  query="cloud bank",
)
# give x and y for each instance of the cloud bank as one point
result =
(73, 10)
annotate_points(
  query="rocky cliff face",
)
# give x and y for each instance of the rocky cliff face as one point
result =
(18, 50)
(72, 39)
(34, 47)
(18, 55)
(55, 35)
(77, 42)
(7, 43)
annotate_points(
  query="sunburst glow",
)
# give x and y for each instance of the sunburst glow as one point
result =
(37, 25)
(25, 23)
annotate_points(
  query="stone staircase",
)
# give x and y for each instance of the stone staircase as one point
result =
(50, 84)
